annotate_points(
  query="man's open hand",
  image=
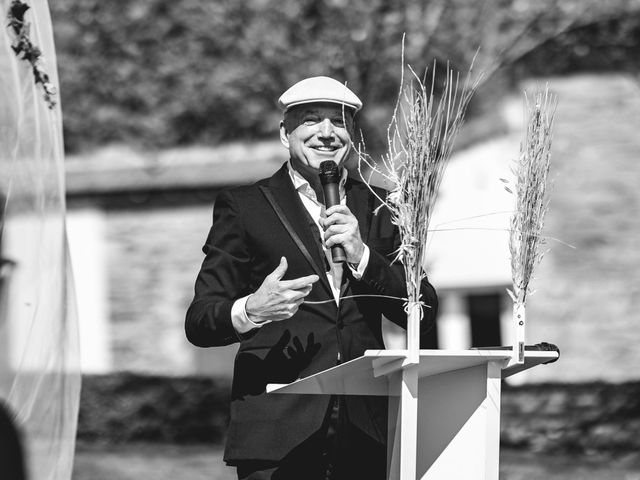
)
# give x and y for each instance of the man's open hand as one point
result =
(278, 299)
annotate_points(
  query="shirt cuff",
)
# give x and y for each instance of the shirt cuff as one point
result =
(362, 266)
(240, 319)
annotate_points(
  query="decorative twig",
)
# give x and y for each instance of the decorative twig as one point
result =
(420, 140)
(26, 50)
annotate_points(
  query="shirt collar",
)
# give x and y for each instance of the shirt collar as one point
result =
(302, 185)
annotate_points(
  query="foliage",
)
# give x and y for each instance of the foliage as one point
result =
(555, 418)
(121, 408)
(24, 48)
(573, 418)
(159, 73)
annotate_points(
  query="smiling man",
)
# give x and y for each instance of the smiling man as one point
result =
(268, 282)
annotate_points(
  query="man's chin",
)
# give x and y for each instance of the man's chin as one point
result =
(317, 159)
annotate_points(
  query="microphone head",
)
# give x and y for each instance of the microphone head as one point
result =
(329, 172)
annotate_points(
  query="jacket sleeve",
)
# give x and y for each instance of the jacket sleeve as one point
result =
(223, 277)
(383, 276)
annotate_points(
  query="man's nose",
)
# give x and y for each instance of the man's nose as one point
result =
(326, 128)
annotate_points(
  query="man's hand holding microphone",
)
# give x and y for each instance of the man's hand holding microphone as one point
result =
(277, 299)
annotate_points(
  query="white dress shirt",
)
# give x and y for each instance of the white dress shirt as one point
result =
(307, 194)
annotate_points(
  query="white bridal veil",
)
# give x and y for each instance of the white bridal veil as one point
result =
(39, 371)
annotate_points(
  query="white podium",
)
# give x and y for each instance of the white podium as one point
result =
(444, 408)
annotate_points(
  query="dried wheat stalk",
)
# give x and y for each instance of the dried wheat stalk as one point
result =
(531, 172)
(420, 140)
(525, 237)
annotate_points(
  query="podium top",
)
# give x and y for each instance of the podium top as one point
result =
(370, 374)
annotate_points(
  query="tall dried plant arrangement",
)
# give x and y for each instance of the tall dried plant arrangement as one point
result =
(531, 171)
(420, 139)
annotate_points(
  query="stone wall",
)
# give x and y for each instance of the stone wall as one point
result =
(154, 257)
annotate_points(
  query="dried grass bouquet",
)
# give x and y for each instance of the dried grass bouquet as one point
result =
(420, 139)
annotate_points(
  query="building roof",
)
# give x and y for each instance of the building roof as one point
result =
(119, 169)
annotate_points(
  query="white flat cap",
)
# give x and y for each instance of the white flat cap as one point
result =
(316, 90)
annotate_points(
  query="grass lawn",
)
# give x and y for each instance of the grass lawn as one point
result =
(149, 461)
(170, 462)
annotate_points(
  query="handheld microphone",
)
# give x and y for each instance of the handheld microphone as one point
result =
(330, 179)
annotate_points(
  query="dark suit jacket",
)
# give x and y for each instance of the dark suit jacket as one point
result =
(245, 244)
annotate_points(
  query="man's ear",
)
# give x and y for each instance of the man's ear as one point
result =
(284, 137)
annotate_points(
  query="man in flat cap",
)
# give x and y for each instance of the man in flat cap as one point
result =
(268, 281)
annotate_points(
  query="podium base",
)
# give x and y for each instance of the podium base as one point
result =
(444, 410)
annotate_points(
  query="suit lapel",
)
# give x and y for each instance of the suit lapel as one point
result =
(296, 220)
(360, 202)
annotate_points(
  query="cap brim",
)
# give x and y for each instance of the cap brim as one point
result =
(286, 108)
